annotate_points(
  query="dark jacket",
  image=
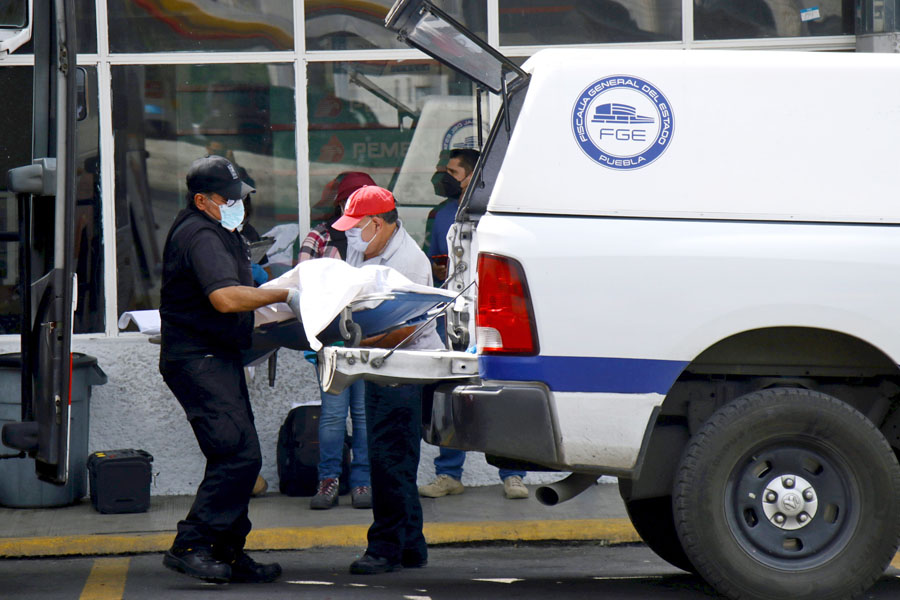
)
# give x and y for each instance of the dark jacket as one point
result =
(201, 256)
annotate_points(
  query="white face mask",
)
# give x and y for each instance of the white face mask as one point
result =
(231, 216)
(355, 241)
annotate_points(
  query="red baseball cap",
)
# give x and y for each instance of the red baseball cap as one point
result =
(366, 201)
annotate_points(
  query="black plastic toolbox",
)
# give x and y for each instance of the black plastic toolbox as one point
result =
(120, 480)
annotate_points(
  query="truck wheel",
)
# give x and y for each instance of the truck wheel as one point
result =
(788, 493)
(652, 519)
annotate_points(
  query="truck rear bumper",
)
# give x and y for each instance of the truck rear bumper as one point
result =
(515, 420)
(339, 367)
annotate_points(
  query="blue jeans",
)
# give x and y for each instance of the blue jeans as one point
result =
(333, 430)
(450, 462)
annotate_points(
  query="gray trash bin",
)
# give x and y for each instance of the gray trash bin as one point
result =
(19, 486)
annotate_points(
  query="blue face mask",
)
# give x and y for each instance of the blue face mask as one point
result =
(232, 216)
(355, 241)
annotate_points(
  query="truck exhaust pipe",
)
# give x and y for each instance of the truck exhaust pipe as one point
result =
(566, 489)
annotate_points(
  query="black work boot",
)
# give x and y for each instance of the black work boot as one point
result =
(370, 564)
(197, 562)
(246, 570)
(412, 559)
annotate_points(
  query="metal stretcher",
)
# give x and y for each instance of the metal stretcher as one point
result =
(340, 366)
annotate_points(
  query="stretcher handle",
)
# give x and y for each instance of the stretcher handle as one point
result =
(378, 361)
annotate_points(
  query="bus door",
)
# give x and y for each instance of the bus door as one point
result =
(45, 191)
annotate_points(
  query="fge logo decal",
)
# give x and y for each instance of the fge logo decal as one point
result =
(459, 136)
(622, 122)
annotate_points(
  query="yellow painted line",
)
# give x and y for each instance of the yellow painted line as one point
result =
(295, 538)
(609, 531)
(85, 544)
(107, 579)
(613, 531)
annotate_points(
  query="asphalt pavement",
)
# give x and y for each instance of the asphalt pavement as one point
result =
(481, 514)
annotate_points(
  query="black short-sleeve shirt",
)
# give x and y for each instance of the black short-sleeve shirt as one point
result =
(200, 257)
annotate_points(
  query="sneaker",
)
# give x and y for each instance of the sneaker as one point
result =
(197, 562)
(444, 485)
(513, 488)
(246, 570)
(361, 496)
(327, 494)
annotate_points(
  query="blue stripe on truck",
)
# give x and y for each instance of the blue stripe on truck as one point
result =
(585, 374)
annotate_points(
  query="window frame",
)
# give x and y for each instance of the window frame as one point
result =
(300, 58)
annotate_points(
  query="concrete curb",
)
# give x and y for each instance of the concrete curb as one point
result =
(608, 531)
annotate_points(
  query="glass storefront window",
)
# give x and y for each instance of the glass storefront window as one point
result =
(540, 22)
(200, 26)
(85, 29)
(86, 26)
(164, 117)
(750, 19)
(391, 120)
(89, 317)
(15, 123)
(355, 25)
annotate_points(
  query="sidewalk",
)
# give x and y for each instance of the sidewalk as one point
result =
(284, 523)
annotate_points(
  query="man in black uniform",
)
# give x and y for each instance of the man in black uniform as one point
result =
(206, 306)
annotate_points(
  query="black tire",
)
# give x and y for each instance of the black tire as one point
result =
(835, 524)
(652, 519)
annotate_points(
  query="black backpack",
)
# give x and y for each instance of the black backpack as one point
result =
(298, 453)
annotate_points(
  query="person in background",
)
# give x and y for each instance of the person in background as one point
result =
(260, 275)
(376, 236)
(325, 241)
(452, 181)
(451, 178)
(206, 310)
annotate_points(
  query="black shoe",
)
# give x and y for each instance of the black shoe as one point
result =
(246, 570)
(326, 495)
(197, 562)
(413, 560)
(372, 565)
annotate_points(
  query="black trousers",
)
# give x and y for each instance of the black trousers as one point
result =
(394, 425)
(213, 392)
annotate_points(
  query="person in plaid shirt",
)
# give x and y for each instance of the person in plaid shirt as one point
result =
(323, 241)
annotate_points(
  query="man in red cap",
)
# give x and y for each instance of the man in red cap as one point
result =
(375, 236)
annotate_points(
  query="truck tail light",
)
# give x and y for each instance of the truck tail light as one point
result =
(504, 317)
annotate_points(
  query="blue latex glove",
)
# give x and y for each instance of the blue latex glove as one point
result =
(259, 274)
(310, 356)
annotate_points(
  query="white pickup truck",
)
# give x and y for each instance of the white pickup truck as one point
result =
(687, 272)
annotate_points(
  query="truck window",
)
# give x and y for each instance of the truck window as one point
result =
(477, 196)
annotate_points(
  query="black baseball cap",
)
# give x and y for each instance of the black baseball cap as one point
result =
(217, 174)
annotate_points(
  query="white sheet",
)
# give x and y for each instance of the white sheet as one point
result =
(147, 321)
(327, 285)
